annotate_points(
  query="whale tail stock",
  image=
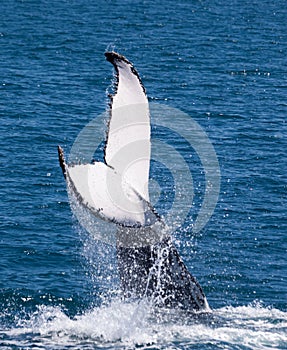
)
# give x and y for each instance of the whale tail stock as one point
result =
(149, 265)
(157, 272)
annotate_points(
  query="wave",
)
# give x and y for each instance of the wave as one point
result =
(129, 325)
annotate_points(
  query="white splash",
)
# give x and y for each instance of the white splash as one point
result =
(127, 325)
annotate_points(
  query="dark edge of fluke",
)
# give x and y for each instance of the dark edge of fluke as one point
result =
(112, 57)
(62, 161)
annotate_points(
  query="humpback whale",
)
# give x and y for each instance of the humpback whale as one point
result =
(116, 190)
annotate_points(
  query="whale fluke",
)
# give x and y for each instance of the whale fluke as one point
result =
(116, 191)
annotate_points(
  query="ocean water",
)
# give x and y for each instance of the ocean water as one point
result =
(221, 63)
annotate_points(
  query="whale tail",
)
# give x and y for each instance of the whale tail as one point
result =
(116, 191)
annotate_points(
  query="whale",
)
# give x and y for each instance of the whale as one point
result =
(116, 190)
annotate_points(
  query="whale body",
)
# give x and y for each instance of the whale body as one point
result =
(116, 191)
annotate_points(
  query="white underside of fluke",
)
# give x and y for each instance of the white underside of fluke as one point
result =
(118, 190)
(105, 193)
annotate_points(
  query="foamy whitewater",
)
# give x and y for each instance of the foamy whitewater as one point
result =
(130, 325)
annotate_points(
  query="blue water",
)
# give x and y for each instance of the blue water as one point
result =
(222, 63)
